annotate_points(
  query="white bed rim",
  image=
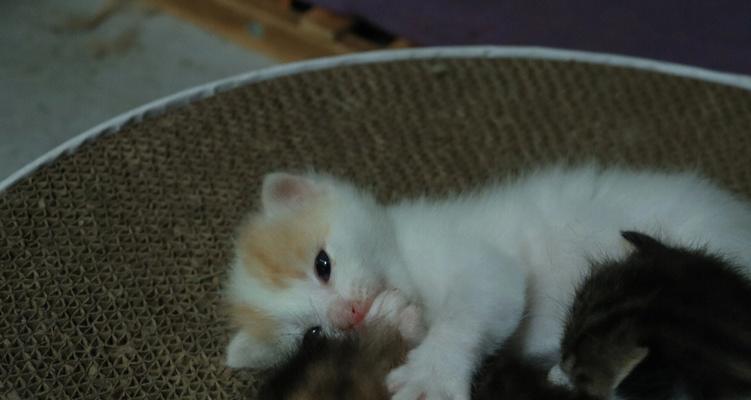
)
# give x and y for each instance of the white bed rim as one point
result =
(206, 90)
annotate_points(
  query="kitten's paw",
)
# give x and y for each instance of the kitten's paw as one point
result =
(556, 376)
(426, 380)
(387, 306)
(411, 325)
(392, 308)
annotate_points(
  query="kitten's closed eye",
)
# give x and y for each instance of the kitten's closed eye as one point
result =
(323, 266)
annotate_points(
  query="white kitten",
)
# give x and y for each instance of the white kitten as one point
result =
(321, 250)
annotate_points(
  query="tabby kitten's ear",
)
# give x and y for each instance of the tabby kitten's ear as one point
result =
(625, 362)
(642, 242)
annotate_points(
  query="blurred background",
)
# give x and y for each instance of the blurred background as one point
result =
(67, 65)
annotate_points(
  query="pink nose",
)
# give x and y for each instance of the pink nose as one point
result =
(349, 314)
(358, 312)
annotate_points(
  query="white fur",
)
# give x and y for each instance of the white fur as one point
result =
(469, 261)
(391, 307)
(557, 376)
(357, 272)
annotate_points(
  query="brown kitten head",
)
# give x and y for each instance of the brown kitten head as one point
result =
(597, 367)
(663, 319)
(353, 366)
(602, 342)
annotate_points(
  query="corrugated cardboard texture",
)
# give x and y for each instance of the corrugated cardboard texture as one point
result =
(111, 258)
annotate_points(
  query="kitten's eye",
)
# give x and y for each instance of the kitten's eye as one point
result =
(311, 335)
(323, 266)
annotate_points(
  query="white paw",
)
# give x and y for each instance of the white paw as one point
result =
(386, 307)
(392, 308)
(411, 325)
(558, 377)
(426, 378)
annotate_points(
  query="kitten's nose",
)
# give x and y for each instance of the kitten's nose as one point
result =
(358, 312)
(347, 315)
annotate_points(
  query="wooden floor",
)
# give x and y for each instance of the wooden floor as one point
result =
(283, 29)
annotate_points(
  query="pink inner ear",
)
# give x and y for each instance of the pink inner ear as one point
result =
(284, 189)
(288, 189)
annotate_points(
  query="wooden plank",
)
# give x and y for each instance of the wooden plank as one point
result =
(324, 23)
(274, 28)
(267, 12)
(358, 43)
(208, 14)
(400, 43)
(287, 22)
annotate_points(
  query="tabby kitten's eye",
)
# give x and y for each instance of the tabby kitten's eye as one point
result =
(311, 335)
(323, 266)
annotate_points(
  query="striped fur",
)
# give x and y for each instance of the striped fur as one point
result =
(666, 322)
(355, 367)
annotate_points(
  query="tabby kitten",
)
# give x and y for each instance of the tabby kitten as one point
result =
(508, 375)
(355, 366)
(664, 323)
(338, 368)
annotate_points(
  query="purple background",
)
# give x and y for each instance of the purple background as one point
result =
(714, 34)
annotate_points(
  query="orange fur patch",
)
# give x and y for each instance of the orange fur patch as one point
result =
(253, 321)
(282, 248)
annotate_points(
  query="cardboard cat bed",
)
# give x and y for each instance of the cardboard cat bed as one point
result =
(113, 247)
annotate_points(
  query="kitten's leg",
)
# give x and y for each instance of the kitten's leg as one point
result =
(411, 325)
(393, 308)
(480, 309)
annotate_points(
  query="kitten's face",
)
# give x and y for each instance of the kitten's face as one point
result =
(312, 258)
(601, 345)
(596, 366)
(587, 354)
(348, 367)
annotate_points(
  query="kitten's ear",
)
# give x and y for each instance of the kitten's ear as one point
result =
(627, 363)
(245, 352)
(643, 242)
(282, 191)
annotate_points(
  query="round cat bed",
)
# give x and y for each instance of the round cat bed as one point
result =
(114, 246)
